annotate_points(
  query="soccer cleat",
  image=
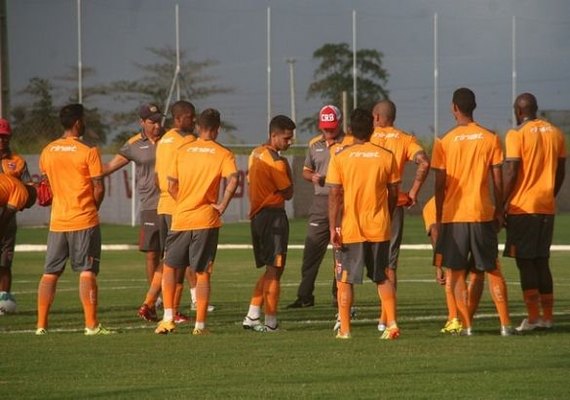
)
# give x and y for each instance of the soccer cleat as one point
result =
(336, 326)
(265, 328)
(452, 326)
(343, 336)
(180, 318)
(300, 303)
(147, 313)
(194, 307)
(527, 326)
(391, 333)
(99, 330)
(250, 323)
(545, 324)
(41, 331)
(165, 327)
(200, 332)
(507, 330)
(465, 332)
(381, 327)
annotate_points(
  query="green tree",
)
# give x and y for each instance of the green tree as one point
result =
(334, 75)
(153, 87)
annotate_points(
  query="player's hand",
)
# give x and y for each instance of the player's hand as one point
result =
(499, 220)
(220, 208)
(316, 179)
(440, 276)
(413, 199)
(336, 237)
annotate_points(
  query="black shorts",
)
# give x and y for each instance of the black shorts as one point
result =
(8, 242)
(164, 224)
(270, 237)
(149, 237)
(82, 247)
(529, 236)
(459, 241)
(195, 249)
(351, 259)
(396, 232)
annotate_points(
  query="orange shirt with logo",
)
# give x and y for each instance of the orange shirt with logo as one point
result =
(402, 144)
(268, 173)
(166, 148)
(16, 166)
(538, 145)
(70, 166)
(466, 153)
(364, 171)
(199, 167)
(13, 193)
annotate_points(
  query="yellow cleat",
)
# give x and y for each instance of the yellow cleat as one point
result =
(452, 326)
(165, 327)
(392, 332)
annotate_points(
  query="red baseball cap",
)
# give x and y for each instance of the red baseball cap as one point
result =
(5, 127)
(329, 117)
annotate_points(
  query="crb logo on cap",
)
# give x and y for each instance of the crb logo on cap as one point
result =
(330, 117)
(153, 109)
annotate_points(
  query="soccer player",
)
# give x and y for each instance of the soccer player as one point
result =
(74, 172)
(534, 172)
(331, 139)
(364, 182)
(467, 219)
(141, 149)
(270, 185)
(405, 148)
(194, 181)
(476, 278)
(14, 165)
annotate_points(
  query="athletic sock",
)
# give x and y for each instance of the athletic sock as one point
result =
(474, 291)
(532, 301)
(257, 296)
(460, 293)
(168, 286)
(387, 295)
(498, 289)
(193, 294)
(450, 297)
(179, 288)
(254, 312)
(202, 296)
(344, 301)
(88, 295)
(547, 302)
(271, 320)
(154, 289)
(271, 291)
(46, 294)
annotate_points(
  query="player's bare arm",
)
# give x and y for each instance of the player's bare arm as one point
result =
(422, 161)
(497, 176)
(233, 181)
(440, 181)
(511, 171)
(116, 163)
(314, 177)
(392, 197)
(173, 187)
(98, 190)
(560, 175)
(335, 215)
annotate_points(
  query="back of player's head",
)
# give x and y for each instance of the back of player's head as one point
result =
(464, 100)
(281, 123)
(70, 114)
(209, 119)
(385, 108)
(182, 107)
(526, 104)
(361, 123)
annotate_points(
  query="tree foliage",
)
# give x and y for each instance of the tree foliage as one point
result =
(334, 75)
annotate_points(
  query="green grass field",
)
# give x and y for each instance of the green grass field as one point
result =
(301, 361)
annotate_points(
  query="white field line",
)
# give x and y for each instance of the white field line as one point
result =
(123, 247)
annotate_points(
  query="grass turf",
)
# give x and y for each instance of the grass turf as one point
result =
(301, 361)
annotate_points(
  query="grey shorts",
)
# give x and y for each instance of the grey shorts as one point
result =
(195, 249)
(397, 230)
(82, 248)
(8, 243)
(353, 257)
(270, 237)
(457, 242)
(149, 236)
(164, 224)
(529, 236)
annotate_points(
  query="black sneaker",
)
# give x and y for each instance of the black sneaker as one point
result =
(300, 303)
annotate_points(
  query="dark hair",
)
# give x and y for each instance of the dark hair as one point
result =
(281, 123)
(361, 123)
(182, 107)
(464, 99)
(70, 114)
(209, 119)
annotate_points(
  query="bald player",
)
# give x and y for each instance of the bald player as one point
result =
(405, 148)
(534, 172)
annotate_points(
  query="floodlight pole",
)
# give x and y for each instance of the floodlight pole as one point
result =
(268, 65)
(291, 62)
(435, 79)
(177, 24)
(514, 73)
(354, 70)
(79, 61)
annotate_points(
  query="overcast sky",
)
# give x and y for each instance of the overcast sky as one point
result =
(474, 50)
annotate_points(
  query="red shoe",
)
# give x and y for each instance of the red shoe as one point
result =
(147, 313)
(180, 318)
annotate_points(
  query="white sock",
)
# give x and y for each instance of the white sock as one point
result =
(168, 315)
(200, 325)
(271, 320)
(193, 294)
(254, 312)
